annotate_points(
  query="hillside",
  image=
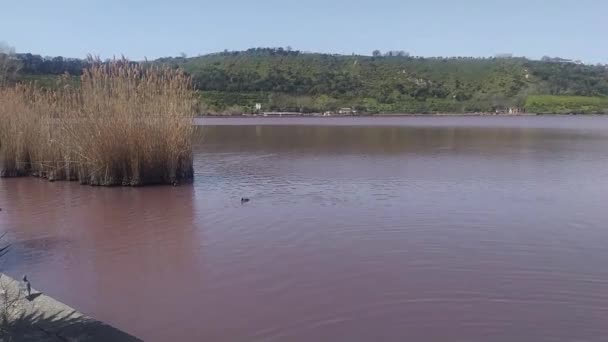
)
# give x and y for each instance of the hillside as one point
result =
(279, 79)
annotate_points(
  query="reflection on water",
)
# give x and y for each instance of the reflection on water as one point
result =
(473, 229)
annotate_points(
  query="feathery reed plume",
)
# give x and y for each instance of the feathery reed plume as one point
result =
(126, 124)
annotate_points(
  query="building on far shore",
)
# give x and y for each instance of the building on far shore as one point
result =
(510, 110)
(347, 111)
(286, 114)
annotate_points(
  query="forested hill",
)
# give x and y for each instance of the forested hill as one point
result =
(281, 79)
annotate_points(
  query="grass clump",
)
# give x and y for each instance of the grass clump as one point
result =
(125, 124)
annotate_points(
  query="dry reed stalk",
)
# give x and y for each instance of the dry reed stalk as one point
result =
(127, 124)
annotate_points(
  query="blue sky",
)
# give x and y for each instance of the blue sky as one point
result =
(137, 28)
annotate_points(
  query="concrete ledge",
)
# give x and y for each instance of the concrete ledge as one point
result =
(42, 318)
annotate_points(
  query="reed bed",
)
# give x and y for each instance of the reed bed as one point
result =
(126, 124)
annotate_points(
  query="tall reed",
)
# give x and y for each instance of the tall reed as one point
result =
(126, 124)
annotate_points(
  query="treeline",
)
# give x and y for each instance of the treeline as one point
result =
(394, 81)
(39, 65)
(389, 82)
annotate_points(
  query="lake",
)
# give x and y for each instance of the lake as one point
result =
(357, 229)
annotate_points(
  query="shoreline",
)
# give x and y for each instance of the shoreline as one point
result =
(319, 115)
(384, 115)
(41, 318)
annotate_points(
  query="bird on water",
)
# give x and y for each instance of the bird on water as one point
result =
(244, 200)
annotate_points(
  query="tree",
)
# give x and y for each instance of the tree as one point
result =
(9, 64)
(377, 53)
(397, 53)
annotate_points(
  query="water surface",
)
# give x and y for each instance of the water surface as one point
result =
(392, 229)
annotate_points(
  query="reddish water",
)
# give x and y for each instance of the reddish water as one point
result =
(384, 229)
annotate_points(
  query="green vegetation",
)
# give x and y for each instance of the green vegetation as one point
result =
(552, 104)
(49, 81)
(286, 80)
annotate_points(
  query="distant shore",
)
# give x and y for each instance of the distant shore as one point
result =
(319, 115)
